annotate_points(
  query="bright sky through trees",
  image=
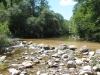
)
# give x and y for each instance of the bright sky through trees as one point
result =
(64, 7)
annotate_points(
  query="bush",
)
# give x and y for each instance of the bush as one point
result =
(4, 29)
(4, 40)
(4, 33)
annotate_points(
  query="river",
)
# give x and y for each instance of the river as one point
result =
(57, 42)
(53, 42)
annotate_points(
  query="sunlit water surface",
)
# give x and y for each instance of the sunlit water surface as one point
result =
(57, 42)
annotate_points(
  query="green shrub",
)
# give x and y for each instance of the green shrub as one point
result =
(4, 29)
(5, 41)
(4, 33)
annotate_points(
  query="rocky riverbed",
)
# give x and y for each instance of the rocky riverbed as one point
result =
(28, 58)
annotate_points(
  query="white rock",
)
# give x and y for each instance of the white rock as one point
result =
(2, 58)
(84, 49)
(14, 71)
(72, 70)
(44, 74)
(64, 56)
(65, 74)
(63, 47)
(55, 64)
(16, 65)
(95, 68)
(91, 53)
(85, 59)
(79, 61)
(56, 55)
(26, 53)
(61, 64)
(97, 51)
(71, 64)
(60, 52)
(98, 73)
(87, 68)
(36, 61)
(31, 47)
(38, 73)
(49, 63)
(26, 58)
(85, 73)
(57, 60)
(72, 47)
(23, 73)
(27, 64)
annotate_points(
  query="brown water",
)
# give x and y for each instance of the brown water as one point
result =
(57, 42)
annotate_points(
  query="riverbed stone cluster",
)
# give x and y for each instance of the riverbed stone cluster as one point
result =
(44, 59)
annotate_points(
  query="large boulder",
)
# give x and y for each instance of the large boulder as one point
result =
(84, 49)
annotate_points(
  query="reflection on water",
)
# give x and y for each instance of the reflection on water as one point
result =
(57, 42)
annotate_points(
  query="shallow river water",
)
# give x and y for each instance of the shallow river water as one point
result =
(53, 42)
(57, 42)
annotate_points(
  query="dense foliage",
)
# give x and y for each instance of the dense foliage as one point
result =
(87, 18)
(4, 30)
(33, 19)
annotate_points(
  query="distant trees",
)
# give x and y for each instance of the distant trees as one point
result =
(34, 19)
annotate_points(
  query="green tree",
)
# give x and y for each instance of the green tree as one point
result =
(32, 18)
(86, 17)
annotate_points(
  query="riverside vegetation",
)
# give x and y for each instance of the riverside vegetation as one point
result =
(34, 19)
